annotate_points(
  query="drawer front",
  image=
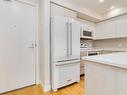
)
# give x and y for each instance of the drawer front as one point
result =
(82, 63)
(82, 53)
(69, 74)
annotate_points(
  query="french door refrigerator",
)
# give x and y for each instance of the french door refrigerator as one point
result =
(65, 52)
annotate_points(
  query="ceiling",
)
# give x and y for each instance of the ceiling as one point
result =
(94, 10)
(101, 7)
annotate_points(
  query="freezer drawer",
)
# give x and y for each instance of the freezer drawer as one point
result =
(65, 74)
(69, 74)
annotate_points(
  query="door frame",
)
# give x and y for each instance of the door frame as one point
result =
(37, 69)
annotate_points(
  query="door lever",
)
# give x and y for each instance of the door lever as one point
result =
(32, 46)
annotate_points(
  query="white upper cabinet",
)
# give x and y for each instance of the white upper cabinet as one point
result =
(61, 11)
(113, 28)
(122, 26)
(86, 26)
(99, 31)
(110, 28)
(70, 14)
(105, 30)
(56, 10)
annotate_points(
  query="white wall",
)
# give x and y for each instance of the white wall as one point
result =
(43, 40)
(45, 43)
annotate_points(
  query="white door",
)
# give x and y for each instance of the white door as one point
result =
(74, 40)
(59, 35)
(17, 39)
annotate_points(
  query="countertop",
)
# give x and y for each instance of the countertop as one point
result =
(114, 59)
(103, 49)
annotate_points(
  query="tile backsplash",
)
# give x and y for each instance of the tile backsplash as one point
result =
(116, 43)
(90, 43)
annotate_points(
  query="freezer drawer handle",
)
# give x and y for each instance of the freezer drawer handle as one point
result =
(63, 64)
(69, 80)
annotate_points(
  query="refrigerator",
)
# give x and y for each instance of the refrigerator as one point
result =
(65, 52)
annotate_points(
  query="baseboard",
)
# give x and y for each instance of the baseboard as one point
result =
(46, 88)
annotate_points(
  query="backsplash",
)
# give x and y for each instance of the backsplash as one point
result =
(114, 43)
(90, 43)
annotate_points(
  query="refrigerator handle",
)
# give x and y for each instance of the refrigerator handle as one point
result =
(67, 39)
(70, 38)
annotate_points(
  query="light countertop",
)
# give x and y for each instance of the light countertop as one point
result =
(114, 59)
(102, 49)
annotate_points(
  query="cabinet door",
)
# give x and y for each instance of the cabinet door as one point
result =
(122, 26)
(101, 79)
(61, 11)
(56, 10)
(110, 28)
(100, 31)
(105, 30)
(59, 38)
(70, 14)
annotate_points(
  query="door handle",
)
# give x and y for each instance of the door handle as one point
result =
(67, 39)
(32, 46)
(70, 38)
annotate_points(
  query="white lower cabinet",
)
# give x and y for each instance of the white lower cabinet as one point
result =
(82, 70)
(65, 74)
(103, 79)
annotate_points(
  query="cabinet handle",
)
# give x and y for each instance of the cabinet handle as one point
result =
(69, 80)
